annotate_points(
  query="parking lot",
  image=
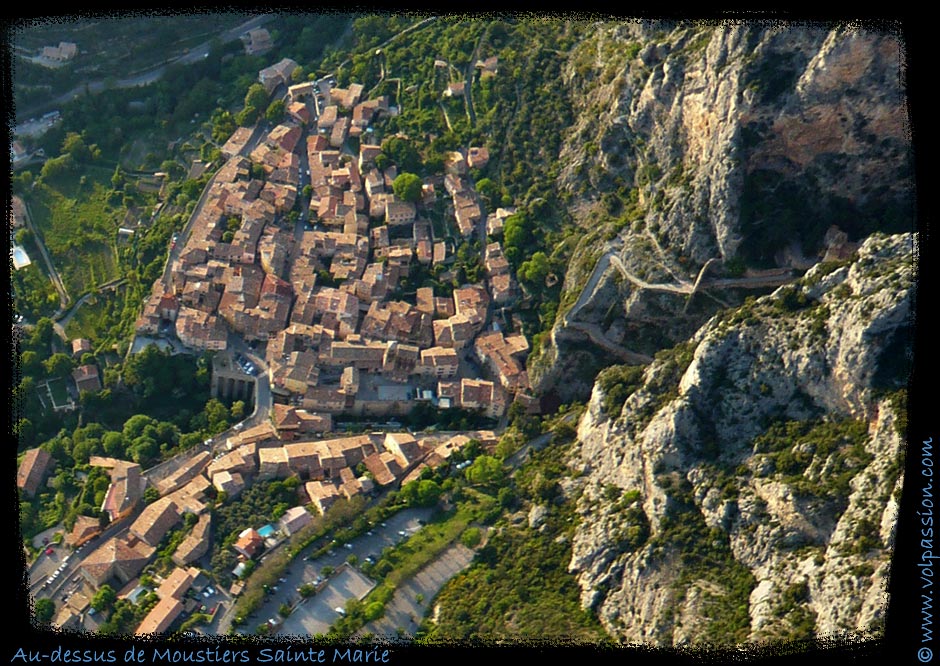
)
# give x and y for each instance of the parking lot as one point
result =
(50, 564)
(315, 614)
(404, 611)
(339, 589)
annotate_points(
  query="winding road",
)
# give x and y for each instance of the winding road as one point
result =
(610, 257)
(147, 76)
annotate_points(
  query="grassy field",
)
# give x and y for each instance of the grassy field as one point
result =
(97, 316)
(79, 227)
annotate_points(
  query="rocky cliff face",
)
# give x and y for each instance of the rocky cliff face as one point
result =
(736, 146)
(743, 485)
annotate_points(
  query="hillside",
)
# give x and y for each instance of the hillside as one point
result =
(727, 150)
(754, 469)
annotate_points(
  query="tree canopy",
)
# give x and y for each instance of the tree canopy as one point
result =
(407, 187)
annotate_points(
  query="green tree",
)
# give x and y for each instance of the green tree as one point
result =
(74, 146)
(519, 237)
(113, 443)
(407, 187)
(402, 152)
(56, 167)
(59, 365)
(535, 270)
(217, 415)
(471, 537)
(238, 410)
(117, 179)
(490, 193)
(256, 98)
(104, 598)
(485, 471)
(23, 182)
(144, 450)
(223, 125)
(275, 111)
(24, 236)
(45, 609)
(31, 364)
(41, 338)
(135, 426)
(429, 492)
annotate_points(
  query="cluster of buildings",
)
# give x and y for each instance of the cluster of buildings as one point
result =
(326, 299)
(287, 445)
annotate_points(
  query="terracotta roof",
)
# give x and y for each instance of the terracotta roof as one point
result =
(249, 543)
(196, 543)
(120, 557)
(85, 528)
(161, 617)
(33, 470)
(295, 519)
(156, 520)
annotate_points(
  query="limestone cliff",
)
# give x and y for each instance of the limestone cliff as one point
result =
(743, 485)
(735, 148)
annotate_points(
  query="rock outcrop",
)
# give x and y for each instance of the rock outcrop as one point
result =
(745, 487)
(736, 144)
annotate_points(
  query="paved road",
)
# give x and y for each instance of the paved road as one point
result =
(149, 75)
(596, 335)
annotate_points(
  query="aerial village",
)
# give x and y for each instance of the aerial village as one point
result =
(320, 298)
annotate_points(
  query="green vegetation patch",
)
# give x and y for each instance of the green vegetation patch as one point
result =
(258, 505)
(838, 446)
(663, 385)
(618, 383)
(519, 586)
(60, 394)
(705, 555)
(401, 562)
(79, 228)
